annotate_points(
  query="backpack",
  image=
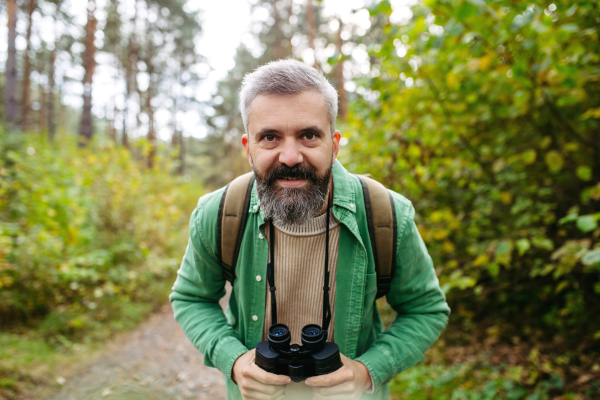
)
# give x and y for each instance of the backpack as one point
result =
(381, 221)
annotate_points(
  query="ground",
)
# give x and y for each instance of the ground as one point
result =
(156, 361)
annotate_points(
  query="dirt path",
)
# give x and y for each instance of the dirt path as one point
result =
(156, 361)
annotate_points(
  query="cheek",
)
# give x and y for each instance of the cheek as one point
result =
(321, 160)
(263, 158)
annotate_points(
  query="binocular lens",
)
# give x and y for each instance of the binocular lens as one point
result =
(279, 332)
(279, 337)
(312, 337)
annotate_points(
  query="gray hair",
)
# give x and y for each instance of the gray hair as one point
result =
(287, 77)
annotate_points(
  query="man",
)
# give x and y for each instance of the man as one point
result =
(289, 112)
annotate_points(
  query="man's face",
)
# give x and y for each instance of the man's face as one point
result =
(290, 147)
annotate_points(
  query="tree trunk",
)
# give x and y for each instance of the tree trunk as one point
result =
(111, 107)
(42, 115)
(89, 63)
(339, 72)
(51, 89)
(52, 78)
(310, 17)
(129, 76)
(150, 111)
(177, 140)
(10, 88)
(26, 82)
(181, 167)
(280, 50)
(150, 92)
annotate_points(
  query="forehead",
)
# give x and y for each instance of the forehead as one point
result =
(282, 112)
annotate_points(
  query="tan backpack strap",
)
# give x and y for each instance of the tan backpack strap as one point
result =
(232, 217)
(383, 231)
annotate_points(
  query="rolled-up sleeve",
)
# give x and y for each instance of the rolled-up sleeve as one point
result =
(416, 296)
(195, 299)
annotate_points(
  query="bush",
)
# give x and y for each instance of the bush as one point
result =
(85, 232)
(486, 114)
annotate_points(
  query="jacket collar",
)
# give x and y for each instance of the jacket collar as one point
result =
(343, 191)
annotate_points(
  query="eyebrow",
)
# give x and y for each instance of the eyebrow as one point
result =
(270, 131)
(265, 131)
(312, 129)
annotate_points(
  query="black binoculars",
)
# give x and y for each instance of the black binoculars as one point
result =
(314, 357)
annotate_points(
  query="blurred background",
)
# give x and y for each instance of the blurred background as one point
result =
(119, 114)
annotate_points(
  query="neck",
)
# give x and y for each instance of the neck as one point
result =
(329, 193)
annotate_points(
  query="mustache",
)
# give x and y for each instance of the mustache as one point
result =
(298, 171)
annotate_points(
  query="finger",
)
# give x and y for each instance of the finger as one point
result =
(253, 371)
(338, 377)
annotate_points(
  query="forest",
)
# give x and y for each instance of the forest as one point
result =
(484, 114)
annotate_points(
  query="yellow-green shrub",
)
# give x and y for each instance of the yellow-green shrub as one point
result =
(84, 232)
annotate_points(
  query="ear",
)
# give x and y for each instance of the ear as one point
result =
(246, 144)
(336, 143)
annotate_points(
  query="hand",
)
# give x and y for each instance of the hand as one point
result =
(348, 382)
(256, 383)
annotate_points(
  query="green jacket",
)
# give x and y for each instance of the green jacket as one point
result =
(222, 337)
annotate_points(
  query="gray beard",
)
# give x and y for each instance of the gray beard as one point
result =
(286, 206)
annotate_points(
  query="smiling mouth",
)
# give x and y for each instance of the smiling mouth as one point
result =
(292, 182)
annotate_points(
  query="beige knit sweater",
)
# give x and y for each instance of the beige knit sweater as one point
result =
(299, 273)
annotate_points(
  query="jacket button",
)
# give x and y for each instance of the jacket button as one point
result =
(254, 318)
(351, 205)
(258, 278)
(256, 206)
(260, 236)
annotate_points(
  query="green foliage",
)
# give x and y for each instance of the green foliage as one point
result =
(486, 116)
(87, 235)
(475, 380)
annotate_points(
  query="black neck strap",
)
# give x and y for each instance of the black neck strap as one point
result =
(271, 273)
(326, 306)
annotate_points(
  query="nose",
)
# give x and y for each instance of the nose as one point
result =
(290, 154)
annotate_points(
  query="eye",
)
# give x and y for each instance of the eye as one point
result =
(269, 138)
(310, 136)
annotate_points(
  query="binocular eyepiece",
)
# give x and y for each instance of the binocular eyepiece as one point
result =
(315, 357)
(312, 337)
(280, 337)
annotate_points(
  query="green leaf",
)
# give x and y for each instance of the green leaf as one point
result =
(587, 223)
(523, 245)
(465, 11)
(584, 173)
(542, 243)
(521, 20)
(480, 3)
(561, 286)
(591, 257)
(569, 27)
(529, 156)
(493, 269)
(554, 160)
(504, 247)
(453, 28)
(568, 218)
